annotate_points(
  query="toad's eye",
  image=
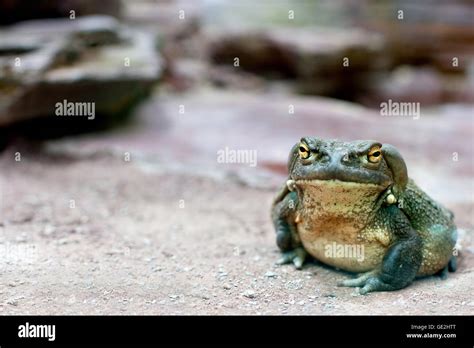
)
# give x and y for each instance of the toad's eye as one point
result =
(375, 154)
(303, 151)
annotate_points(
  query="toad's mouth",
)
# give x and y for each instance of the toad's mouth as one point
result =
(336, 182)
(336, 174)
(337, 188)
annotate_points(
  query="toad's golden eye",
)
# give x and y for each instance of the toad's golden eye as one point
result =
(303, 151)
(375, 154)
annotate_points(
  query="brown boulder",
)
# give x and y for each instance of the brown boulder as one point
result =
(92, 59)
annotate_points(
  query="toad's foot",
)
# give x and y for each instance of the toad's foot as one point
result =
(297, 256)
(367, 282)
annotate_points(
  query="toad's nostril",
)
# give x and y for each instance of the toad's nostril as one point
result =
(324, 158)
(348, 157)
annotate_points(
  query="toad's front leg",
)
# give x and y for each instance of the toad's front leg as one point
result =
(401, 262)
(284, 217)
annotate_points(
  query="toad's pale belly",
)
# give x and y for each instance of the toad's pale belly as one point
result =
(339, 249)
(332, 224)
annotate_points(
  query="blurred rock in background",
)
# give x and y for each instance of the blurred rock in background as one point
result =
(429, 32)
(433, 40)
(323, 61)
(92, 59)
(302, 46)
(12, 11)
(362, 51)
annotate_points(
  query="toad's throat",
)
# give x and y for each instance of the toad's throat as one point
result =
(337, 202)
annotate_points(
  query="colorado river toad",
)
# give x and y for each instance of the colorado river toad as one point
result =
(351, 205)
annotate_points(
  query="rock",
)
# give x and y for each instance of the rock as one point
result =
(249, 293)
(14, 301)
(91, 59)
(12, 11)
(270, 274)
(439, 37)
(425, 85)
(49, 230)
(310, 55)
(426, 34)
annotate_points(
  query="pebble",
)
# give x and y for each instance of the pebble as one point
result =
(62, 241)
(270, 274)
(79, 230)
(13, 301)
(294, 284)
(249, 294)
(21, 238)
(329, 295)
(49, 230)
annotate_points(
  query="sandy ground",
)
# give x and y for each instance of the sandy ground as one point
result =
(82, 231)
(141, 238)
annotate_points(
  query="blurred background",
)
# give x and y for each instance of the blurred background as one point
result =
(175, 83)
(159, 54)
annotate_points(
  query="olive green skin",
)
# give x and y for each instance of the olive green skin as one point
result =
(337, 197)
